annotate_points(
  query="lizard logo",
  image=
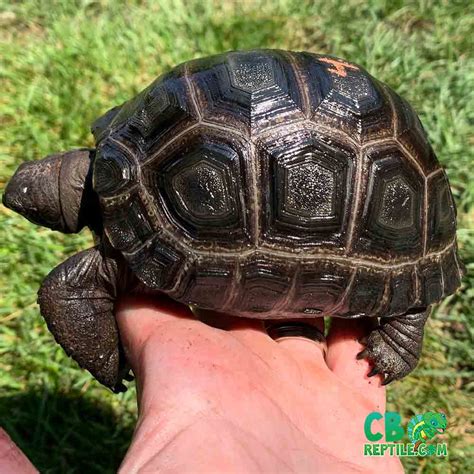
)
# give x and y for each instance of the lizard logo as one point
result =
(420, 429)
(424, 427)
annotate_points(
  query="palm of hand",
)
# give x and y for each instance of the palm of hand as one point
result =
(236, 401)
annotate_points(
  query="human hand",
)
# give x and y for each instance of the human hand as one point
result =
(12, 460)
(235, 400)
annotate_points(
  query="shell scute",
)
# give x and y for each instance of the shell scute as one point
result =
(156, 263)
(127, 224)
(441, 213)
(307, 189)
(200, 185)
(402, 290)
(366, 294)
(452, 273)
(208, 284)
(344, 96)
(431, 281)
(264, 284)
(321, 288)
(411, 134)
(115, 169)
(145, 122)
(250, 91)
(391, 223)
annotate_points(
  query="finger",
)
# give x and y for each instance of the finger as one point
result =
(343, 347)
(227, 322)
(12, 459)
(249, 332)
(304, 349)
(139, 317)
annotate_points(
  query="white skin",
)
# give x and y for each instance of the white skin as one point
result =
(234, 400)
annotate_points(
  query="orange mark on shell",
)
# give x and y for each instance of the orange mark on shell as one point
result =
(339, 67)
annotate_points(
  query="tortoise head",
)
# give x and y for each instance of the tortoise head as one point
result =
(55, 192)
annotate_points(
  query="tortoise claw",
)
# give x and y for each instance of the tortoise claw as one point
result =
(388, 379)
(373, 371)
(129, 377)
(119, 388)
(362, 355)
(363, 340)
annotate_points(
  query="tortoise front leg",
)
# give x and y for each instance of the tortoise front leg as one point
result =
(394, 347)
(77, 301)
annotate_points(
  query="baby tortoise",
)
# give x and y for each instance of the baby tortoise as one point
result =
(265, 184)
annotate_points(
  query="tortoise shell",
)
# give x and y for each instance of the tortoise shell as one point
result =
(277, 184)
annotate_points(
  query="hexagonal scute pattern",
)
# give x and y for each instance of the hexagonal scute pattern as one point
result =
(144, 121)
(264, 284)
(126, 222)
(201, 189)
(250, 74)
(115, 169)
(248, 90)
(156, 264)
(412, 136)
(391, 222)
(320, 288)
(344, 96)
(441, 212)
(208, 284)
(310, 188)
(230, 183)
(398, 201)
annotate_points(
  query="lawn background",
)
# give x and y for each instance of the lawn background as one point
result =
(65, 63)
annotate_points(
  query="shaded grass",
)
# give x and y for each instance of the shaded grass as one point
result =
(66, 62)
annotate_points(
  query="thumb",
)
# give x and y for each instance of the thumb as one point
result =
(343, 347)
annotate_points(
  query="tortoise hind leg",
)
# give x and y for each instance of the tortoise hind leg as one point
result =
(395, 345)
(77, 301)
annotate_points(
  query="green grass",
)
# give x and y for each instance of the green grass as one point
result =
(65, 62)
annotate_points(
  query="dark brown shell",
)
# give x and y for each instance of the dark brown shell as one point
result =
(274, 184)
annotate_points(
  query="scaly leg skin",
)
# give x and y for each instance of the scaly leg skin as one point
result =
(77, 301)
(394, 347)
